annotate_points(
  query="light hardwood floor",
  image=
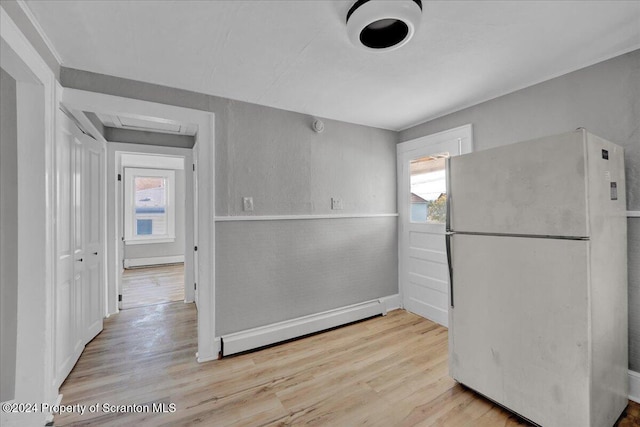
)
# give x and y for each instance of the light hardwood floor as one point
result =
(386, 371)
(152, 285)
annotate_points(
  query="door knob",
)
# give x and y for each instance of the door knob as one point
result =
(95, 253)
(79, 260)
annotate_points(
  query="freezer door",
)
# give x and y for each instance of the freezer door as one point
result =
(535, 187)
(519, 327)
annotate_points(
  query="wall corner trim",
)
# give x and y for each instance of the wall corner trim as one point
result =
(216, 344)
(47, 41)
(634, 386)
(391, 302)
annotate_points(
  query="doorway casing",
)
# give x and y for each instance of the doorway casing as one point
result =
(422, 281)
(78, 101)
(123, 155)
(36, 101)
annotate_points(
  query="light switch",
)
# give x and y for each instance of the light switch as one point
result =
(336, 204)
(247, 204)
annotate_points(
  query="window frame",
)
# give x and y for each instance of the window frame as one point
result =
(130, 175)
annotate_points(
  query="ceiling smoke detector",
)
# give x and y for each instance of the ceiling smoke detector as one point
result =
(382, 25)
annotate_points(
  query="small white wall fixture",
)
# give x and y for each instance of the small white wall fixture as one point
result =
(36, 106)
(204, 153)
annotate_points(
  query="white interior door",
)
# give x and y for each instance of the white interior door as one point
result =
(93, 238)
(423, 269)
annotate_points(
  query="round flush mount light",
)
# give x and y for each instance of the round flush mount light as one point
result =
(383, 25)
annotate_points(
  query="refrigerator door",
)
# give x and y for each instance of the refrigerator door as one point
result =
(519, 326)
(534, 187)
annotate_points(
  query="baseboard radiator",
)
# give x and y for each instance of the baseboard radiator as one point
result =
(251, 339)
(152, 261)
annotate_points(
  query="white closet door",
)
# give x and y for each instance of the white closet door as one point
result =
(79, 271)
(79, 244)
(65, 328)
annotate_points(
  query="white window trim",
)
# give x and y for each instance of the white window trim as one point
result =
(130, 237)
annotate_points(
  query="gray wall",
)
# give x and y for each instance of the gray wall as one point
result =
(273, 156)
(277, 270)
(8, 234)
(603, 98)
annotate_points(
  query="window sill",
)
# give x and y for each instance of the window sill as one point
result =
(149, 241)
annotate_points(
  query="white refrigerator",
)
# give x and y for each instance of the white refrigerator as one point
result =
(536, 241)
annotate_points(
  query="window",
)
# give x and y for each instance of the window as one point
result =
(149, 205)
(428, 189)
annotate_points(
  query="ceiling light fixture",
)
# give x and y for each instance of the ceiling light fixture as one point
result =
(382, 25)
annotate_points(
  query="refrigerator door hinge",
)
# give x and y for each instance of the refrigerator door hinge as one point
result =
(449, 198)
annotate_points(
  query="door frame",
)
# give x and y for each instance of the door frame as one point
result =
(144, 154)
(78, 101)
(464, 135)
(36, 103)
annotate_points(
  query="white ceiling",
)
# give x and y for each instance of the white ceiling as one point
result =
(295, 55)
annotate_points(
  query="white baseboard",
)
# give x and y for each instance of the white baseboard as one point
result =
(49, 417)
(392, 302)
(634, 386)
(158, 260)
(214, 356)
(282, 331)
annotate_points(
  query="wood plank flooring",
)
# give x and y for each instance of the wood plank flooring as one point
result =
(386, 371)
(152, 285)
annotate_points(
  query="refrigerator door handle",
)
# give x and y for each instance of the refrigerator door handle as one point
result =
(447, 238)
(448, 190)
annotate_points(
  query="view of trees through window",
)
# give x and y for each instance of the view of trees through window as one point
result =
(428, 189)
